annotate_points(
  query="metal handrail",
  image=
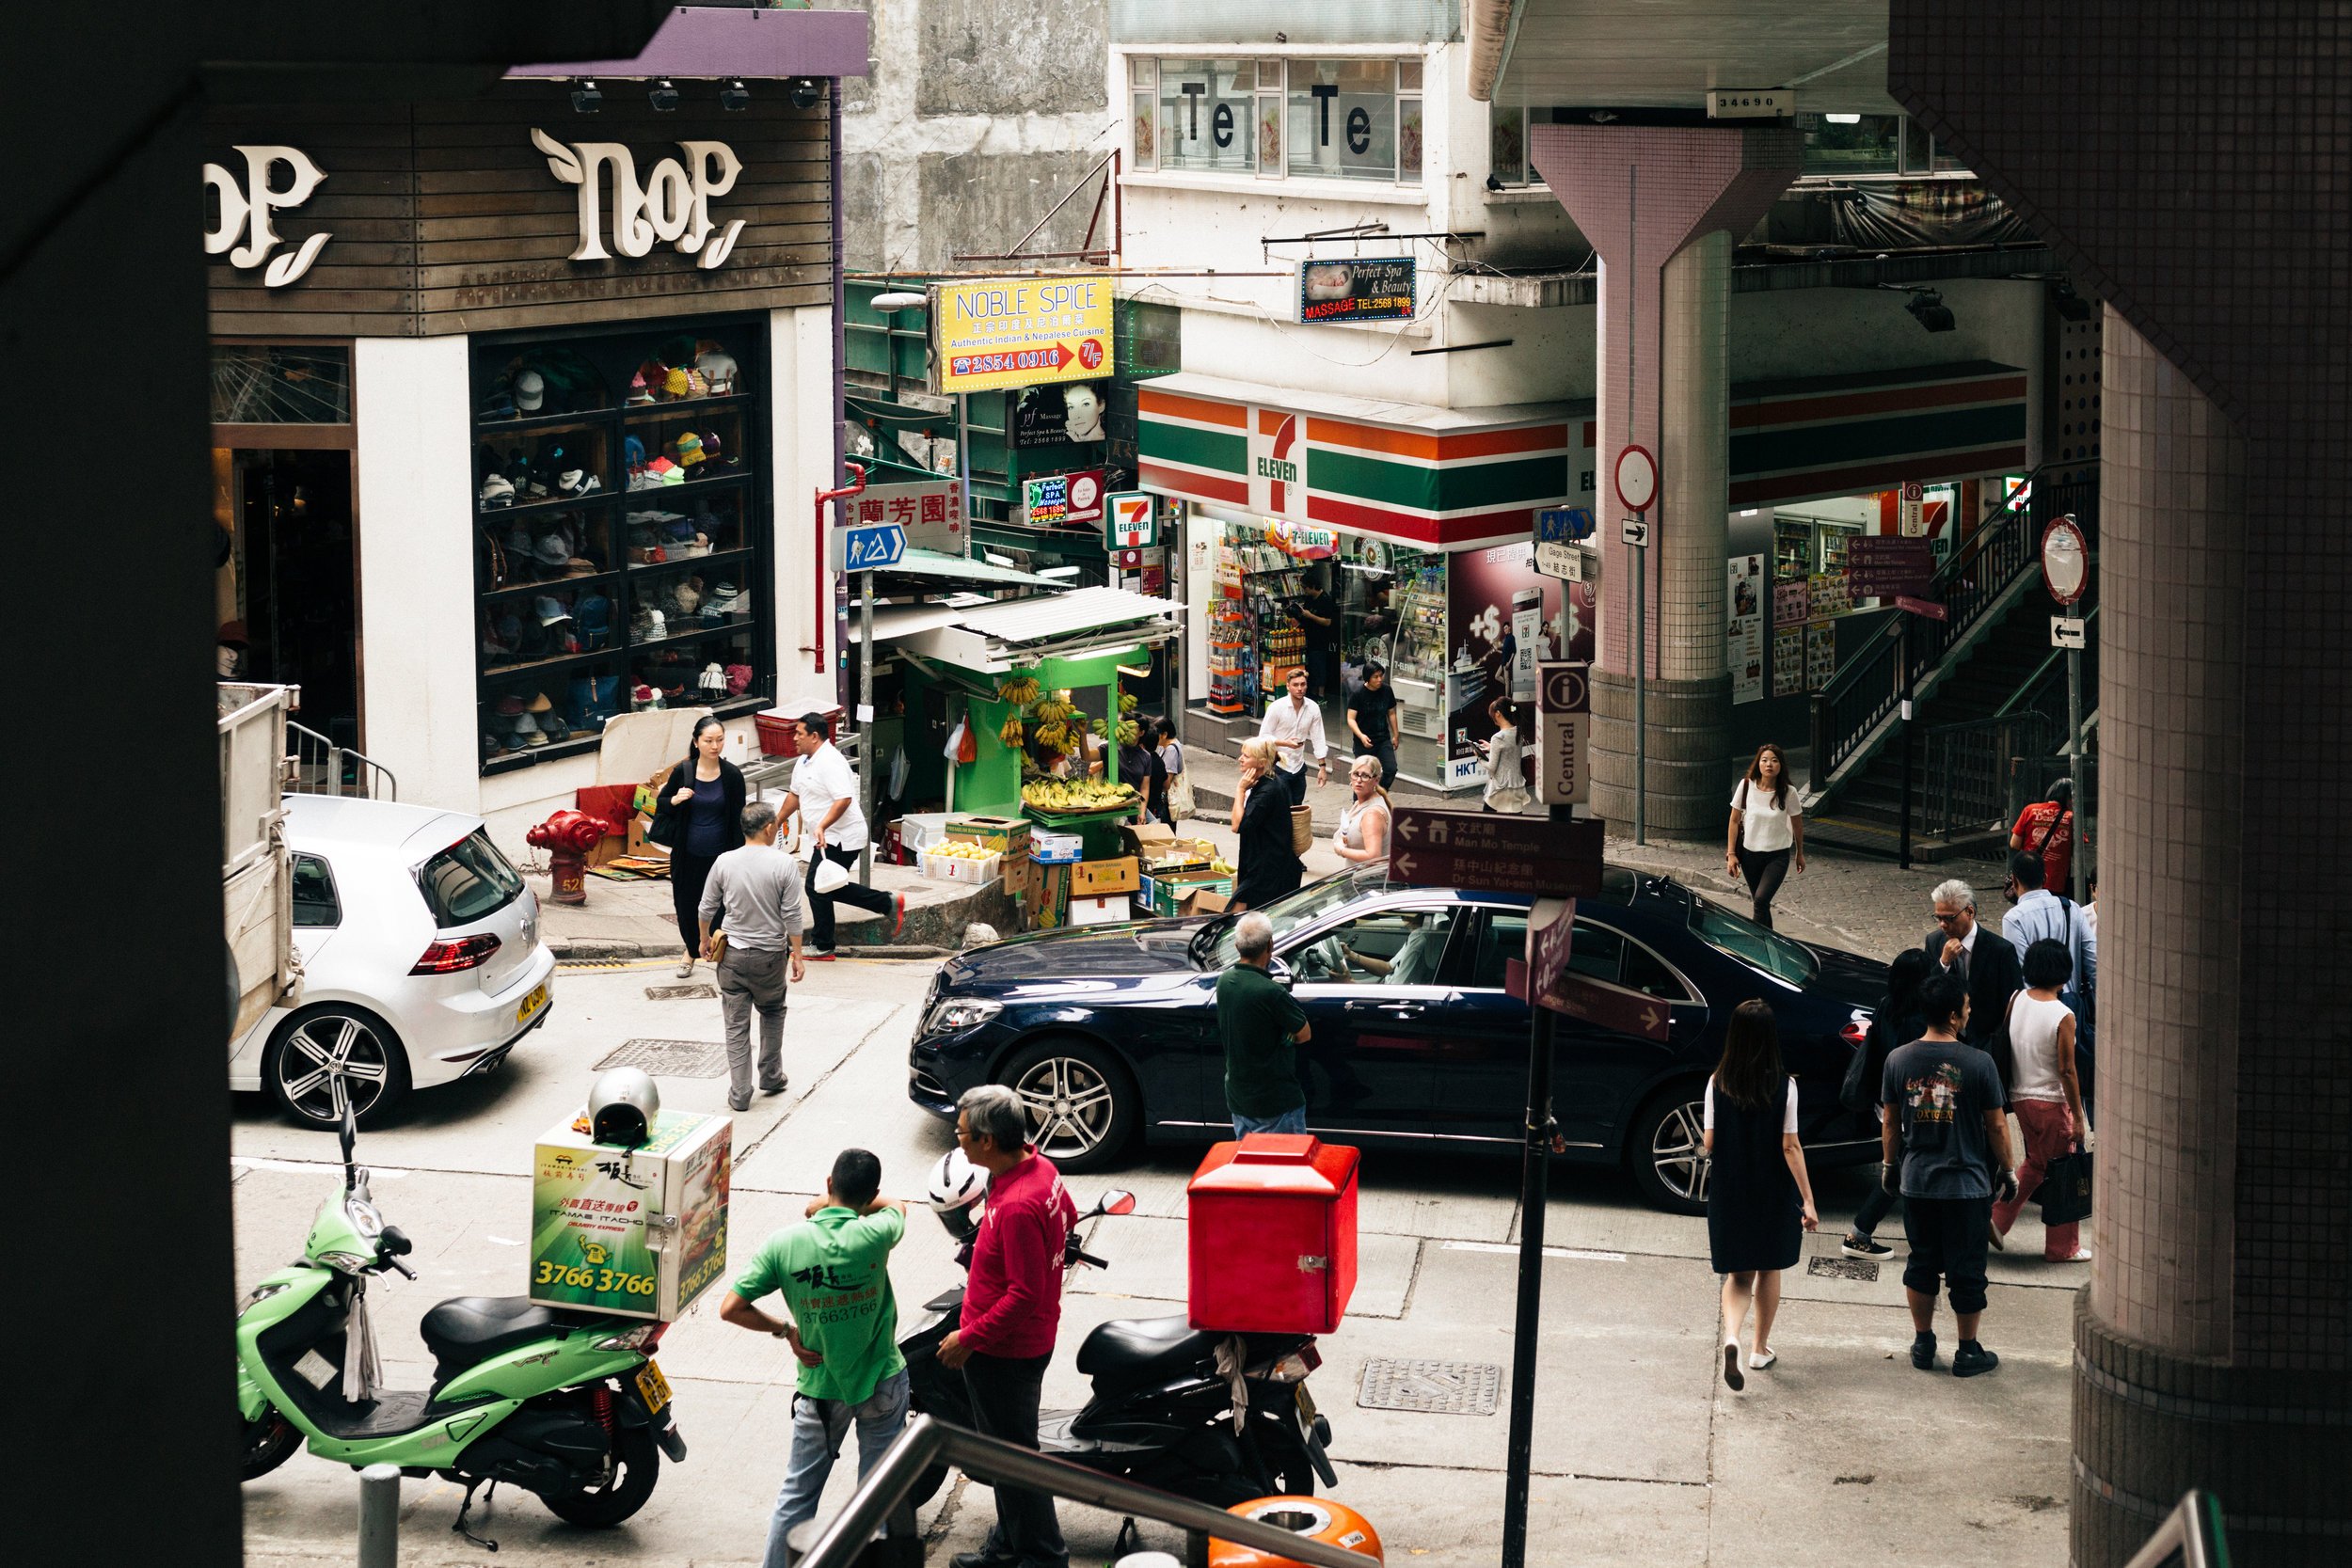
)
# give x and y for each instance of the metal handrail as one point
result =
(312, 750)
(927, 1442)
(1864, 691)
(1971, 770)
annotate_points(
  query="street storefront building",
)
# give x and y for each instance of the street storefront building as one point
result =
(518, 399)
(1417, 520)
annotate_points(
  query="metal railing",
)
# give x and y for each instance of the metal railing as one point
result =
(1979, 775)
(880, 1497)
(1866, 690)
(318, 765)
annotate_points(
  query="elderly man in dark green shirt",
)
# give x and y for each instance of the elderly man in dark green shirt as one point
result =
(1259, 1024)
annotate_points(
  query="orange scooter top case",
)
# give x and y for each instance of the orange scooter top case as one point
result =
(1271, 1233)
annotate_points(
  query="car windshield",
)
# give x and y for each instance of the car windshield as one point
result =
(467, 881)
(1288, 912)
(1738, 937)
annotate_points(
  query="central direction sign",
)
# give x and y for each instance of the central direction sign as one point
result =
(1564, 709)
(1493, 853)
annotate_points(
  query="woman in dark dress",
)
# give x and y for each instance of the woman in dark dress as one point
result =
(1267, 866)
(699, 817)
(1897, 1022)
(1757, 1193)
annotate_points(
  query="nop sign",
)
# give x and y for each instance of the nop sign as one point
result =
(672, 205)
(245, 207)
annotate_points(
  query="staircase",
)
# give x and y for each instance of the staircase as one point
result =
(1989, 701)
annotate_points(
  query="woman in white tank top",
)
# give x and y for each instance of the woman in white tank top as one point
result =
(2045, 1090)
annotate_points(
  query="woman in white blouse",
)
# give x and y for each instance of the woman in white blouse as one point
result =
(1767, 828)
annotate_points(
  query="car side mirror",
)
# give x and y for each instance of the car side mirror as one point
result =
(1116, 1202)
(1281, 972)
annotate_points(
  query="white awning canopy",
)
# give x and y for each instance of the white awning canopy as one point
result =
(992, 638)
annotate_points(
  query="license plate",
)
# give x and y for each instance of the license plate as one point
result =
(1306, 1408)
(532, 1003)
(656, 1387)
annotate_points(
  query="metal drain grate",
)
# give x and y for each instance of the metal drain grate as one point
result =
(669, 1058)
(1440, 1387)
(1842, 1268)
(682, 994)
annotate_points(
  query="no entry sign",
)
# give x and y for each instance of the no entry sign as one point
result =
(1637, 478)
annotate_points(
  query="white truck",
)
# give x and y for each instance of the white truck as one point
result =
(256, 877)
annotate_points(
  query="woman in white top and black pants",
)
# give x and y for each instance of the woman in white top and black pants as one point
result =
(1767, 828)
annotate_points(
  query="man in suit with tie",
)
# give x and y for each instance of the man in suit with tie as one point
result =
(1988, 965)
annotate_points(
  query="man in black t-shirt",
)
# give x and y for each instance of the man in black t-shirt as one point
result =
(1372, 719)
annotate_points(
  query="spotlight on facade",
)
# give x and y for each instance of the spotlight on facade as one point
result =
(1928, 308)
(663, 96)
(587, 99)
(807, 93)
(735, 97)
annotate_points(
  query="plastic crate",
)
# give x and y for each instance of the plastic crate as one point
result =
(961, 868)
(775, 735)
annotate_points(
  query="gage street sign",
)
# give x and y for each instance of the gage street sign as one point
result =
(1494, 853)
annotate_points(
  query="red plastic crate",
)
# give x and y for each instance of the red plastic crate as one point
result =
(775, 735)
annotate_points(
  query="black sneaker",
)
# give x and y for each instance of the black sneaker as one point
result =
(1973, 1360)
(777, 1087)
(1923, 1351)
(1857, 1244)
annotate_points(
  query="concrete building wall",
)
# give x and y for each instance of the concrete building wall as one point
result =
(978, 114)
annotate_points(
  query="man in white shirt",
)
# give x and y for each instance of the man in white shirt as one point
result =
(1293, 724)
(825, 792)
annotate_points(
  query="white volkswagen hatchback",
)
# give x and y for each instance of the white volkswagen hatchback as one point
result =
(421, 956)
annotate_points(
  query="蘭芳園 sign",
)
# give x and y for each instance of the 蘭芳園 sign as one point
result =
(930, 514)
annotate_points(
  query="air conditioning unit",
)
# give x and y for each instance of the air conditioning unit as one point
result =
(1424, 722)
(1751, 104)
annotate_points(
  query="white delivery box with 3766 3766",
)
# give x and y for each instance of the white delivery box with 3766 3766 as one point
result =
(638, 1232)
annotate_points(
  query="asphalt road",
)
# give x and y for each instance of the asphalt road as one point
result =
(1841, 1454)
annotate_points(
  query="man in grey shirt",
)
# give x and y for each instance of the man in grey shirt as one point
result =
(755, 894)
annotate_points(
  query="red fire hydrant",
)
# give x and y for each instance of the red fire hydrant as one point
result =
(567, 836)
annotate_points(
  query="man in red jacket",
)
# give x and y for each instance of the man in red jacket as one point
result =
(1011, 1308)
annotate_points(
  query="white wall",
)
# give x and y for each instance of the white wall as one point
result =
(416, 566)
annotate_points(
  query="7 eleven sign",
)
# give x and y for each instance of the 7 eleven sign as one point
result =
(1128, 521)
(1278, 463)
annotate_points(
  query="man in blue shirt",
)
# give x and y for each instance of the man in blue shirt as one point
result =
(2043, 914)
(833, 1274)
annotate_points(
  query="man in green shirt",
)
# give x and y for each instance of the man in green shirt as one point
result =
(1260, 1024)
(833, 1274)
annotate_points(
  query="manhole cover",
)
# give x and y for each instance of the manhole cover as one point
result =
(1443, 1388)
(1842, 1268)
(670, 1058)
(682, 994)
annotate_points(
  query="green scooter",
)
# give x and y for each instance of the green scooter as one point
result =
(566, 1405)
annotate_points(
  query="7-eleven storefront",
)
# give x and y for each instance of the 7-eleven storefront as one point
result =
(1416, 521)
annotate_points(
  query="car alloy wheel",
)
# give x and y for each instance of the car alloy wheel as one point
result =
(1677, 1153)
(1071, 1104)
(332, 1057)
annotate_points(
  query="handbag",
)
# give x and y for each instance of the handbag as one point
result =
(1853, 1093)
(1998, 1047)
(1302, 829)
(2065, 1191)
(669, 826)
(1180, 798)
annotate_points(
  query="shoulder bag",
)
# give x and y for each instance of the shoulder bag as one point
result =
(2010, 890)
(1997, 1045)
(669, 823)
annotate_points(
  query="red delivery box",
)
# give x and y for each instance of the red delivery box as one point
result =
(1272, 1232)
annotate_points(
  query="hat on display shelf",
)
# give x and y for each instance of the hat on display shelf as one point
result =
(580, 567)
(550, 610)
(538, 703)
(509, 706)
(632, 453)
(686, 596)
(530, 390)
(689, 446)
(576, 482)
(642, 697)
(718, 369)
(714, 681)
(676, 384)
(497, 490)
(738, 679)
(527, 730)
(553, 726)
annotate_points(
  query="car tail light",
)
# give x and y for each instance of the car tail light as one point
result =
(1855, 1032)
(451, 954)
(643, 1337)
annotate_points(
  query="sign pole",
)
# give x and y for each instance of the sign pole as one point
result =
(867, 761)
(1534, 1195)
(1902, 652)
(2075, 763)
(1641, 694)
(963, 463)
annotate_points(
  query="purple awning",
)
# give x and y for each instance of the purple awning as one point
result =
(713, 41)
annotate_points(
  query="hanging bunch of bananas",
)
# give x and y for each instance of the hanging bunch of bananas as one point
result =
(1010, 731)
(1128, 730)
(1050, 710)
(1021, 689)
(1126, 701)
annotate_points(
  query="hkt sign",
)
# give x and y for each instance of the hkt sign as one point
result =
(246, 209)
(672, 205)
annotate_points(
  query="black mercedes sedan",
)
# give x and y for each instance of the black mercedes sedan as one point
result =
(1109, 1031)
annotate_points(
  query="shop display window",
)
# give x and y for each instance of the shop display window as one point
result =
(620, 533)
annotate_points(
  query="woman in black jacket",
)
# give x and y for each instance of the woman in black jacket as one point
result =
(1268, 865)
(1897, 1021)
(699, 817)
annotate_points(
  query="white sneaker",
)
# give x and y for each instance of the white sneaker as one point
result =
(1759, 1361)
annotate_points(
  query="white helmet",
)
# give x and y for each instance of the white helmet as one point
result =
(622, 1106)
(956, 1183)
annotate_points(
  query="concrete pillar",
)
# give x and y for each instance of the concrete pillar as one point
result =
(2210, 1346)
(1662, 208)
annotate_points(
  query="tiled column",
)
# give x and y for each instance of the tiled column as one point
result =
(2209, 1347)
(1662, 207)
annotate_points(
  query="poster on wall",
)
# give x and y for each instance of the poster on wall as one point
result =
(1820, 655)
(1788, 661)
(1790, 602)
(1743, 635)
(1503, 618)
(1057, 415)
(1828, 596)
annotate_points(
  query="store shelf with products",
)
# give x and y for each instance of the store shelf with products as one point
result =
(1232, 648)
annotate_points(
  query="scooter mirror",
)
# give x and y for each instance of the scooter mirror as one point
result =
(348, 1135)
(1116, 1202)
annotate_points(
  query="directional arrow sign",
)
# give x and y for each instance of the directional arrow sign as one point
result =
(873, 544)
(1628, 1012)
(1494, 853)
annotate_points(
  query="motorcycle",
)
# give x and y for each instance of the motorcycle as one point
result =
(568, 1406)
(1221, 1418)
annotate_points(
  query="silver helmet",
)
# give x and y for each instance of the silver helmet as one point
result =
(623, 1107)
